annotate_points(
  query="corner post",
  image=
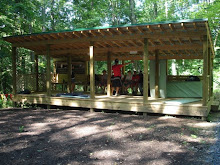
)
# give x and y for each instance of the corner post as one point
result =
(109, 70)
(48, 78)
(156, 73)
(36, 72)
(209, 73)
(145, 59)
(211, 76)
(205, 71)
(92, 71)
(14, 74)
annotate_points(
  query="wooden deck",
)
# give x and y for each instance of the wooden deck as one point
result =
(123, 102)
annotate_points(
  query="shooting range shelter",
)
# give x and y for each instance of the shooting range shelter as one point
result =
(157, 42)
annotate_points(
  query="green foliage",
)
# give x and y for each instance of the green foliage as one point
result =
(21, 129)
(187, 67)
(6, 103)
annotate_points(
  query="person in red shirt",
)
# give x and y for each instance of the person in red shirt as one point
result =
(116, 84)
(135, 82)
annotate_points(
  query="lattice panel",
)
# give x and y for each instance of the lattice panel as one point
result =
(28, 81)
(42, 82)
(20, 83)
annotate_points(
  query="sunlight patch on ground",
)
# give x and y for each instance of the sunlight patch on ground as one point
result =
(205, 125)
(2, 122)
(106, 154)
(17, 145)
(39, 128)
(86, 131)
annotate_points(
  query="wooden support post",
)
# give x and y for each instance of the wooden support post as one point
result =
(204, 118)
(109, 72)
(86, 75)
(209, 72)
(92, 110)
(36, 72)
(156, 73)
(69, 73)
(145, 59)
(92, 71)
(205, 72)
(123, 68)
(48, 72)
(211, 76)
(14, 75)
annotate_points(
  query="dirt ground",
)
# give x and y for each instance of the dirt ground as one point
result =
(62, 137)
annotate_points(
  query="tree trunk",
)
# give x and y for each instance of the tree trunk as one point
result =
(132, 11)
(43, 16)
(174, 71)
(155, 10)
(53, 22)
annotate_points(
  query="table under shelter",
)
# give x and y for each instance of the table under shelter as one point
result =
(154, 43)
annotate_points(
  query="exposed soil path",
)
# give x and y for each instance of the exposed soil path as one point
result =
(61, 137)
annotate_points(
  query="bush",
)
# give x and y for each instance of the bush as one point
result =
(6, 102)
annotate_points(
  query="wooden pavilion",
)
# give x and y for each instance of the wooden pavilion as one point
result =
(157, 42)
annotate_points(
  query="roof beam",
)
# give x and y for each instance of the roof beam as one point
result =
(111, 38)
(84, 33)
(139, 29)
(161, 28)
(171, 27)
(150, 28)
(114, 42)
(194, 25)
(124, 49)
(101, 32)
(109, 32)
(183, 26)
(210, 38)
(76, 34)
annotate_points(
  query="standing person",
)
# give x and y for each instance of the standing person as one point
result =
(128, 81)
(135, 83)
(141, 82)
(116, 84)
(72, 80)
(103, 83)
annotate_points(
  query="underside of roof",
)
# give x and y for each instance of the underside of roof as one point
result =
(174, 40)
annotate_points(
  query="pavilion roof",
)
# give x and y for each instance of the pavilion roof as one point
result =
(181, 39)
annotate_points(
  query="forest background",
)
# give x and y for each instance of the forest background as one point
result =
(33, 16)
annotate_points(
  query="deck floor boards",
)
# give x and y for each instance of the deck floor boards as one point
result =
(122, 102)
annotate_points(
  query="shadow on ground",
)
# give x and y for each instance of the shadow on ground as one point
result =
(80, 137)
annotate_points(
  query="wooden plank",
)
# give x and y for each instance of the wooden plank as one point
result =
(48, 86)
(14, 55)
(92, 71)
(155, 35)
(36, 72)
(109, 71)
(205, 71)
(145, 74)
(156, 73)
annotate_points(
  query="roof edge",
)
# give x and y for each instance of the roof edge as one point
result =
(115, 26)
